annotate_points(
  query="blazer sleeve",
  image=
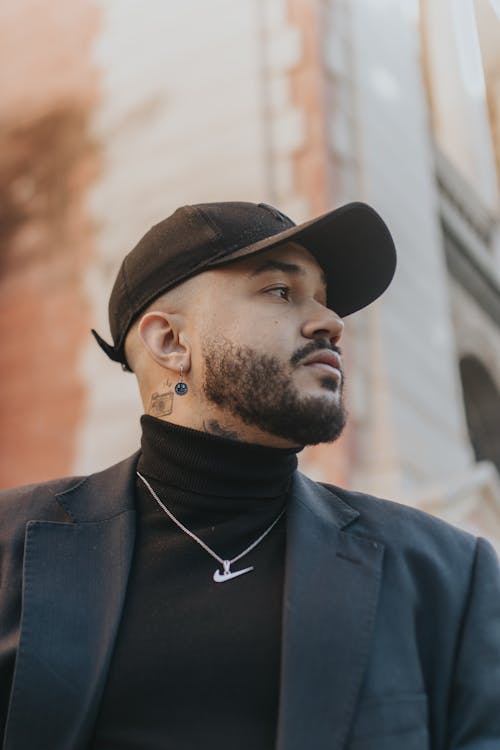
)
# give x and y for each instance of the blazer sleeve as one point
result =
(474, 719)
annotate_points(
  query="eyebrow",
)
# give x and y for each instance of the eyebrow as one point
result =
(279, 265)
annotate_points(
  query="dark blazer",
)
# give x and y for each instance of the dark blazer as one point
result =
(391, 627)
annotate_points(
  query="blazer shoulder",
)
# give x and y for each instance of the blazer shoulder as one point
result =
(435, 554)
(398, 524)
(32, 493)
(34, 501)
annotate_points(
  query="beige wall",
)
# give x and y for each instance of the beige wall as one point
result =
(488, 21)
(456, 85)
(301, 103)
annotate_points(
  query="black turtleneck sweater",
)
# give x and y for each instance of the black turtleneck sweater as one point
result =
(196, 662)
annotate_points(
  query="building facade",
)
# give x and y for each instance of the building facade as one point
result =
(115, 113)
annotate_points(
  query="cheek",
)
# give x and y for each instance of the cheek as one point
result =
(232, 323)
(247, 325)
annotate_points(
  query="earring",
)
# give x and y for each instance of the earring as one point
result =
(181, 388)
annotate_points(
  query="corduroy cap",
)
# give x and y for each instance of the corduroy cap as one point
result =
(352, 244)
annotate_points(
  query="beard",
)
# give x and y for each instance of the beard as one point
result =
(258, 389)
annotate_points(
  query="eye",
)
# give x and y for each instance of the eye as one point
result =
(281, 291)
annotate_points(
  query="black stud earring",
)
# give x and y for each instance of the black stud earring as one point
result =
(181, 388)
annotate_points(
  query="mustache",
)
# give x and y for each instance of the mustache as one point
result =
(314, 346)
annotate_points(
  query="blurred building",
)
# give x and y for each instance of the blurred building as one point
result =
(115, 112)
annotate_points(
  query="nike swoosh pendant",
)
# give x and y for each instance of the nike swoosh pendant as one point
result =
(227, 574)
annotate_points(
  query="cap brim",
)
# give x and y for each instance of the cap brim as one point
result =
(353, 246)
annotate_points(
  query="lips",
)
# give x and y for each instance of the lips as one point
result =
(324, 357)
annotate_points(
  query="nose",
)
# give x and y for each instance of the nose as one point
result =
(323, 323)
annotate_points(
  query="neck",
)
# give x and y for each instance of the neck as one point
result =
(201, 462)
(222, 425)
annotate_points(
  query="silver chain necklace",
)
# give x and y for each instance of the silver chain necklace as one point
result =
(227, 573)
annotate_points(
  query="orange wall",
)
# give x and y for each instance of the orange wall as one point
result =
(47, 163)
(313, 175)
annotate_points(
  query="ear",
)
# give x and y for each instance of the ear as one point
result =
(164, 340)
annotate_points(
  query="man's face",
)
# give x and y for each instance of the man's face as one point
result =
(268, 347)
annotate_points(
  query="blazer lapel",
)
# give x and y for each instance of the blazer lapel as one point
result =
(331, 590)
(75, 577)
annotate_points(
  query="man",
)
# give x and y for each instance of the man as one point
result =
(204, 593)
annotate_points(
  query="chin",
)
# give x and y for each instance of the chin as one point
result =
(323, 383)
(328, 387)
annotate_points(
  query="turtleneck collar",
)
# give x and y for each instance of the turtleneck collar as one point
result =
(199, 462)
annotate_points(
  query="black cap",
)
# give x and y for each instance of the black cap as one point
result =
(352, 244)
